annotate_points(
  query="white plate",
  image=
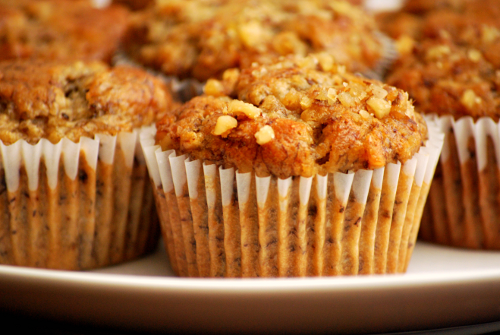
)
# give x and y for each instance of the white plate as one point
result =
(444, 287)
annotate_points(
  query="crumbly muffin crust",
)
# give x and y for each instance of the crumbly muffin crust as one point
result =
(135, 4)
(74, 99)
(448, 78)
(200, 39)
(296, 116)
(56, 29)
(431, 19)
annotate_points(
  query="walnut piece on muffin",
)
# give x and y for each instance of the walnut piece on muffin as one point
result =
(74, 99)
(296, 117)
(201, 39)
(60, 30)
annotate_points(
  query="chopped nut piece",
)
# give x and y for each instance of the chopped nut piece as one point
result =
(343, 8)
(378, 91)
(346, 99)
(489, 34)
(380, 107)
(264, 135)
(251, 33)
(438, 51)
(231, 74)
(474, 55)
(213, 87)
(305, 103)
(238, 106)
(364, 114)
(224, 124)
(469, 99)
(332, 96)
(325, 61)
(405, 44)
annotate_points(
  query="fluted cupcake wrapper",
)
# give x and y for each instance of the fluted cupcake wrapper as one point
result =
(464, 201)
(75, 205)
(221, 223)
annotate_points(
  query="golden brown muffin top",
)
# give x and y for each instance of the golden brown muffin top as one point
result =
(202, 38)
(422, 19)
(295, 117)
(74, 99)
(55, 29)
(450, 78)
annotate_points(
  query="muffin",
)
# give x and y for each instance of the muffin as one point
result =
(74, 189)
(295, 168)
(200, 39)
(457, 80)
(60, 30)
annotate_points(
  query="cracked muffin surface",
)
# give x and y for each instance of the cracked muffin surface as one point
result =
(60, 30)
(75, 99)
(201, 39)
(295, 117)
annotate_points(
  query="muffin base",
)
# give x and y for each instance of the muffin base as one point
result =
(464, 201)
(220, 223)
(75, 206)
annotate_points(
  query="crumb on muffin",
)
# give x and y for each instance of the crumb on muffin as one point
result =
(297, 116)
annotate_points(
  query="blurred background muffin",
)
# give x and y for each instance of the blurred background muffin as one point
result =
(60, 30)
(75, 192)
(451, 69)
(201, 39)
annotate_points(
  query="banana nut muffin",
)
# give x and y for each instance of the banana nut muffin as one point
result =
(74, 190)
(457, 78)
(56, 29)
(290, 169)
(296, 117)
(200, 39)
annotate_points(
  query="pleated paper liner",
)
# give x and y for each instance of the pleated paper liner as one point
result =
(217, 222)
(390, 53)
(464, 201)
(75, 206)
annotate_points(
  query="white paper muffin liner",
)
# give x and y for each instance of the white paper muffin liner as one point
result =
(75, 206)
(221, 223)
(464, 201)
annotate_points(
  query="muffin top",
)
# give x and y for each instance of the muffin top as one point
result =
(420, 19)
(295, 117)
(202, 38)
(60, 30)
(74, 99)
(450, 78)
